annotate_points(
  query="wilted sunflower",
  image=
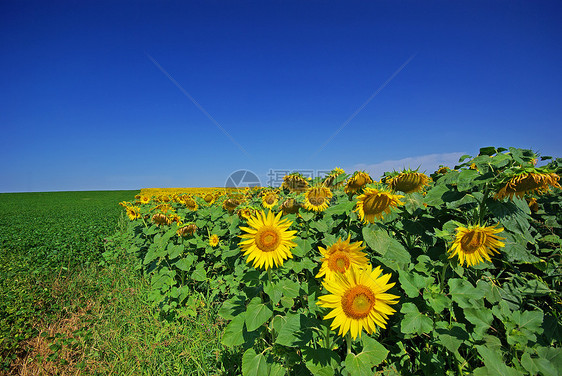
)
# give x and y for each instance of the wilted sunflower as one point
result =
(443, 170)
(269, 199)
(187, 230)
(230, 204)
(475, 243)
(358, 301)
(317, 198)
(373, 203)
(533, 204)
(331, 180)
(190, 203)
(213, 240)
(408, 182)
(268, 241)
(160, 219)
(290, 206)
(528, 182)
(133, 212)
(295, 182)
(339, 257)
(357, 181)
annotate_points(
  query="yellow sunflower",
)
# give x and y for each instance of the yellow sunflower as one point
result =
(214, 240)
(528, 182)
(144, 199)
(358, 300)
(330, 179)
(295, 182)
(133, 212)
(443, 170)
(209, 198)
(268, 241)
(339, 257)
(475, 243)
(317, 198)
(269, 199)
(356, 182)
(373, 203)
(246, 213)
(190, 203)
(408, 182)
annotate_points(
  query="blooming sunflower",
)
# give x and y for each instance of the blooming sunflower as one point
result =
(317, 198)
(269, 199)
(335, 179)
(408, 182)
(356, 182)
(144, 199)
(374, 202)
(246, 213)
(214, 240)
(475, 243)
(528, 182)
(268, 240)
(339, 257)
(133, 212)
(358, 301)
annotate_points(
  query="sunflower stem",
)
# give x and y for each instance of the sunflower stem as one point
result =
(327, 338)
(269, 277)
(348, 341)
(482, 206)
(442, 281)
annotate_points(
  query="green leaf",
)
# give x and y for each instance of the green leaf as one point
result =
(481, 318)
(373, 350)
(435, 194)
(254, 364)
(233, 334)
(452, 336)
(174, 250)
(321, 362)
(185, 262)
(414, 321)
(289, 330)
(257, 314)
(343, 206)
(463, 292)
(358, 365)
(413, 282)
(466, 180)
(302, 248)
(389, 248)
(199, 274)
(494, 364)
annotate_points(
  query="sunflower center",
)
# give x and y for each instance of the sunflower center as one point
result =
(358, 301)
(316, 200)
(472, 240)
(270, 199)
(407, 183)
(376, 204)
(267, 239)
(339, 262)
(528, 183)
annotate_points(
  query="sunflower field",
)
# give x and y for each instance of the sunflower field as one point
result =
(449, 273)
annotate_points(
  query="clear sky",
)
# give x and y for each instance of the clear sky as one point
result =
(101, 95)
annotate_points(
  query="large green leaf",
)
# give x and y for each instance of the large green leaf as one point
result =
(494, 364)
(257, 314)
(414, 322)
(389, 248)
(464, 293)
(254, 364)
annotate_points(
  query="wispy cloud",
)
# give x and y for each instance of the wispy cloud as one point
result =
(428, 163)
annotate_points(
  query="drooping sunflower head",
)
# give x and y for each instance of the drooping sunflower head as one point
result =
(268, 240)
(443, 170)
(536, 181)
(187, 230)
(160, 219)
(246, 213)
(357, 182)
(407, 181)
(295, 183)
(290, 206)
(164, 208)
(269, 199)
(335, 178)
(230, 204)
(358, 300)
(533, 204)
(190, 203)
(133, 212)
(475, 243)
(213, 240)
(374, 203)
(340, 257)
(317, 198)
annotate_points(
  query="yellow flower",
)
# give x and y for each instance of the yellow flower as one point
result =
(373, 203)
(356, 182)
(443, 170)
(214, 240)
(475, 243)
(268, 241)
(317, 198)
(339, 257)
(329, 180)
(408, 182)
(144, 199)
(358, 301)
(175, 218)
(269, 199)
(533, 204)
(246, 213)
(528, 182)
(164, 208)
(190, 203)
(209, 198)
(133, 212)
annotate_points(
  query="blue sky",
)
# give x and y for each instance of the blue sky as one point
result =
(101, 95)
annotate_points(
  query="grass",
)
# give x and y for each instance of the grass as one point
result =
(64, 311)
